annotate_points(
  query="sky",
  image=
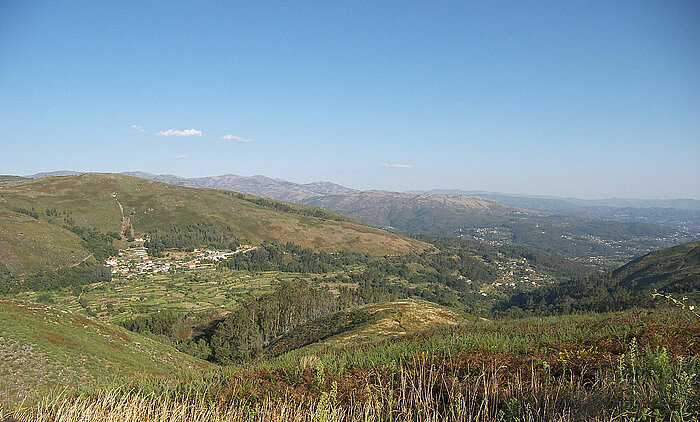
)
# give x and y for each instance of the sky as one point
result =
(585, 99)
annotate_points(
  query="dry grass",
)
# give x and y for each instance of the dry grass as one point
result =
(420, 391)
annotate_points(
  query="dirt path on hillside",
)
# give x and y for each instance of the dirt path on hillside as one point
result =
(82, 260)
(126, 221)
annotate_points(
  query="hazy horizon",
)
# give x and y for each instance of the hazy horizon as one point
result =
(472, 191)
(588, 100)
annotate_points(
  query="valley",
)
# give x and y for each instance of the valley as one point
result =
(167, 288)
(606, 234)
(336, 211)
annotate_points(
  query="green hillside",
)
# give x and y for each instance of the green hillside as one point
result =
(28, 244)
(674, 270)
(42, 347)
(671, 270)
(365, 325)
(97, 200)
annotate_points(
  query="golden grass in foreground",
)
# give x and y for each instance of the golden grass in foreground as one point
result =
(424, 393)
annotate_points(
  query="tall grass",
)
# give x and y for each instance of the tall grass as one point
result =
(513, 336)
(638, 385)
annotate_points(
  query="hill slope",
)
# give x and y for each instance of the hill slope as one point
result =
(414, 213)
(43, 347)
(106, 201)
(673, 270)
(27, 244)
(366, 324)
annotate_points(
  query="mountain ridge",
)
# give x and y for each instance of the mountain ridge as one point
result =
(106, 201)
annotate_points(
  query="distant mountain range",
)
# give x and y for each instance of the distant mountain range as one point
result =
(553, 203)
(405, 211)
(679, 213)
(295, 192)
(584, 229)
(423, 213)
(254, 185)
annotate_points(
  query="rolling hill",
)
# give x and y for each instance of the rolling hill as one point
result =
(42, 347)
(607, 236)
(554, 203)
(600, 241)
(365, 325)
(415, 213)
(108, 202)
(678, 213)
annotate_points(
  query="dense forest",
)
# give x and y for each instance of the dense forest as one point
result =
(191, 236)
(62, 278)
(253, 324)
(99, 244)
(290, 257)
(446, 277)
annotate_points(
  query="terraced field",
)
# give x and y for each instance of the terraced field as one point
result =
(206, 289)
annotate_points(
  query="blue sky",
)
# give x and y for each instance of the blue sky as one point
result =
(587, 99)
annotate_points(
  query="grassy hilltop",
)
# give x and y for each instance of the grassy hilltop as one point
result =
(93, 200)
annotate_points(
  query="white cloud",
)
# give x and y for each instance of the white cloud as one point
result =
(181, 156)
(186, 132)
(138, 128)
(398, 166)
(234, 138)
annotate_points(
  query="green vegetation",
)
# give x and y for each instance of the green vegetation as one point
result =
(292, 258)
(56, 280)
(360, 328)
(242, 333)
(317, 330)
(100, 245)
(674, 270)
(28, 244)
(326, 318)
(621, 366)
(298, 209)
(192, 236)
(604, 242)
(554, 264)
(196, 293)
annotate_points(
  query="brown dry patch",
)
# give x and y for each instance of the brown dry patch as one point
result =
(60, 340)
